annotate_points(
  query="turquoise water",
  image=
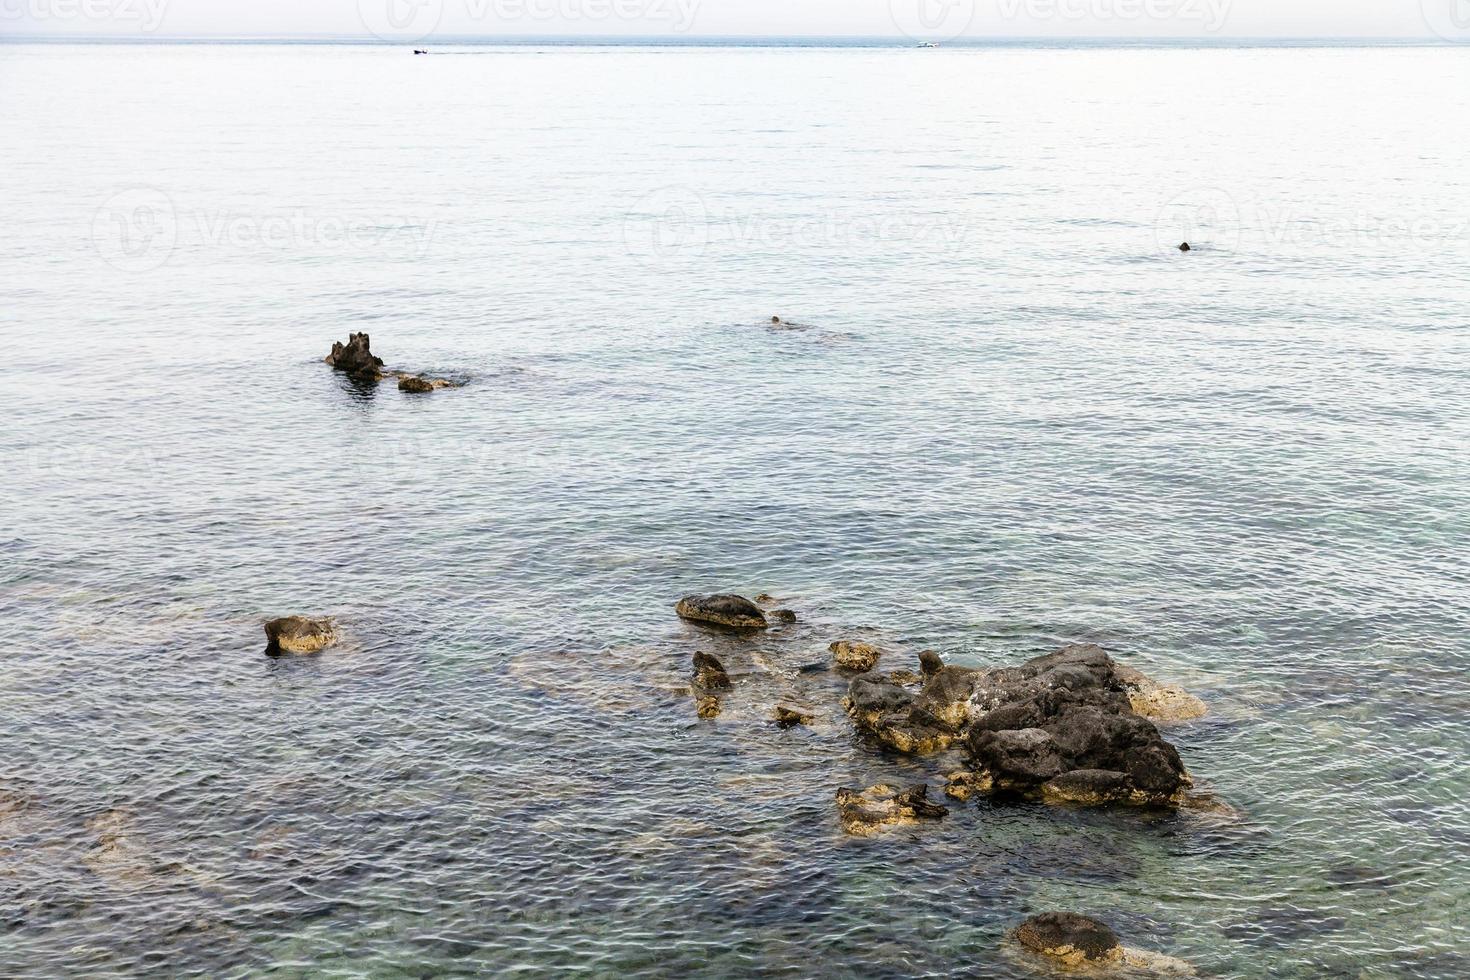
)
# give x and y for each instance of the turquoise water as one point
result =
(1013, 416)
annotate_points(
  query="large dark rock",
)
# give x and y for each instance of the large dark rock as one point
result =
(356, 358)
(1028, 727)
(299, 634)
(733, 611)
(1074, 940)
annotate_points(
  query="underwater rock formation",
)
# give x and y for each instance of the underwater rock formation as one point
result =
(709, 673)
(789, 717)
(879, 807)
(733, 611)
(299, 634)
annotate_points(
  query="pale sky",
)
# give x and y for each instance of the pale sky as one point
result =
(937, 19)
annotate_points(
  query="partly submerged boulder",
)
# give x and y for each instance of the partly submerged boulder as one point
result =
(709, 673)
(786, 716)
(417, 384)
(884, 710)
(299, 634)
(356, 358)
(856, 657)
(1072, 940)
(1089, 947)
(1158, 702)
(733, 611)
(865, 813)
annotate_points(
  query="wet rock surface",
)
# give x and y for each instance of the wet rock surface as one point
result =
(356, 358)
(854, 656)
(732, 611)
(1074, 940)
(880, 807)
(299, 635)
(786, 716)
(709, 674)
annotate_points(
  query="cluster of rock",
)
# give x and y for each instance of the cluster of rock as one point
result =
(356, 359)
(1061, 728)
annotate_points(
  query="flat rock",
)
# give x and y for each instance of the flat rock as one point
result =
(733, 611)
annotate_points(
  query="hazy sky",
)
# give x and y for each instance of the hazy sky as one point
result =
(940, 19)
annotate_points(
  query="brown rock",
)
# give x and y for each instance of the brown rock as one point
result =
(299, 634)
(856, 657)
(733, 611)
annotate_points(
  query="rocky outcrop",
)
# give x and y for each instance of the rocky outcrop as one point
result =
(356, 358)
(1084, 944)
(866, 813)
(417, 384)
(856, 657)
(1060, 728)
(299, 634)
(732, 611)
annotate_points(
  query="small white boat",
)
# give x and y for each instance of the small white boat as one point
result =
(929, 44)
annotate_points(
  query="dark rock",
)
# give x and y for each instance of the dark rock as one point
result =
(787, 717)
(732, 611)
(1184, 247)
(356, 358)
(1074, 940)
(856, 657)
(414, 385)
(884, 711)
(930, 663)
(865, 814)
(709, 673)
(784, 616)
(299, 634)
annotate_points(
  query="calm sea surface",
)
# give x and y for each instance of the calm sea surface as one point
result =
(1014, 415)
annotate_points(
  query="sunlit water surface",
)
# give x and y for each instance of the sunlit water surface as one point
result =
(1015, 416)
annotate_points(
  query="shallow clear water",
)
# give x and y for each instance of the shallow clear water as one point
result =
(1015, 416)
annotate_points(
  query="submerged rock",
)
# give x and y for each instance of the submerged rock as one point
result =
(1080, 943)
(1071, 939)
(707, 706)
(299, 634)
(788, 717)
(963, 785)
(733, 611)
(865, 813)
(709, 673)
(857, 657)
(356, 358)
(784, 616)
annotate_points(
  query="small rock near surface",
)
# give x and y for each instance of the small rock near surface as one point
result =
(733, 611)
(299, 635)
(856, 657)
(866, 813)
(1074, 940)
(709, 673)
(788, 717)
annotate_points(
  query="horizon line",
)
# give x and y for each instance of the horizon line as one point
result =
(678, 40)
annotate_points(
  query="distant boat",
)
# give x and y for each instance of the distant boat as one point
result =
(417, 51)
(929, 44)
